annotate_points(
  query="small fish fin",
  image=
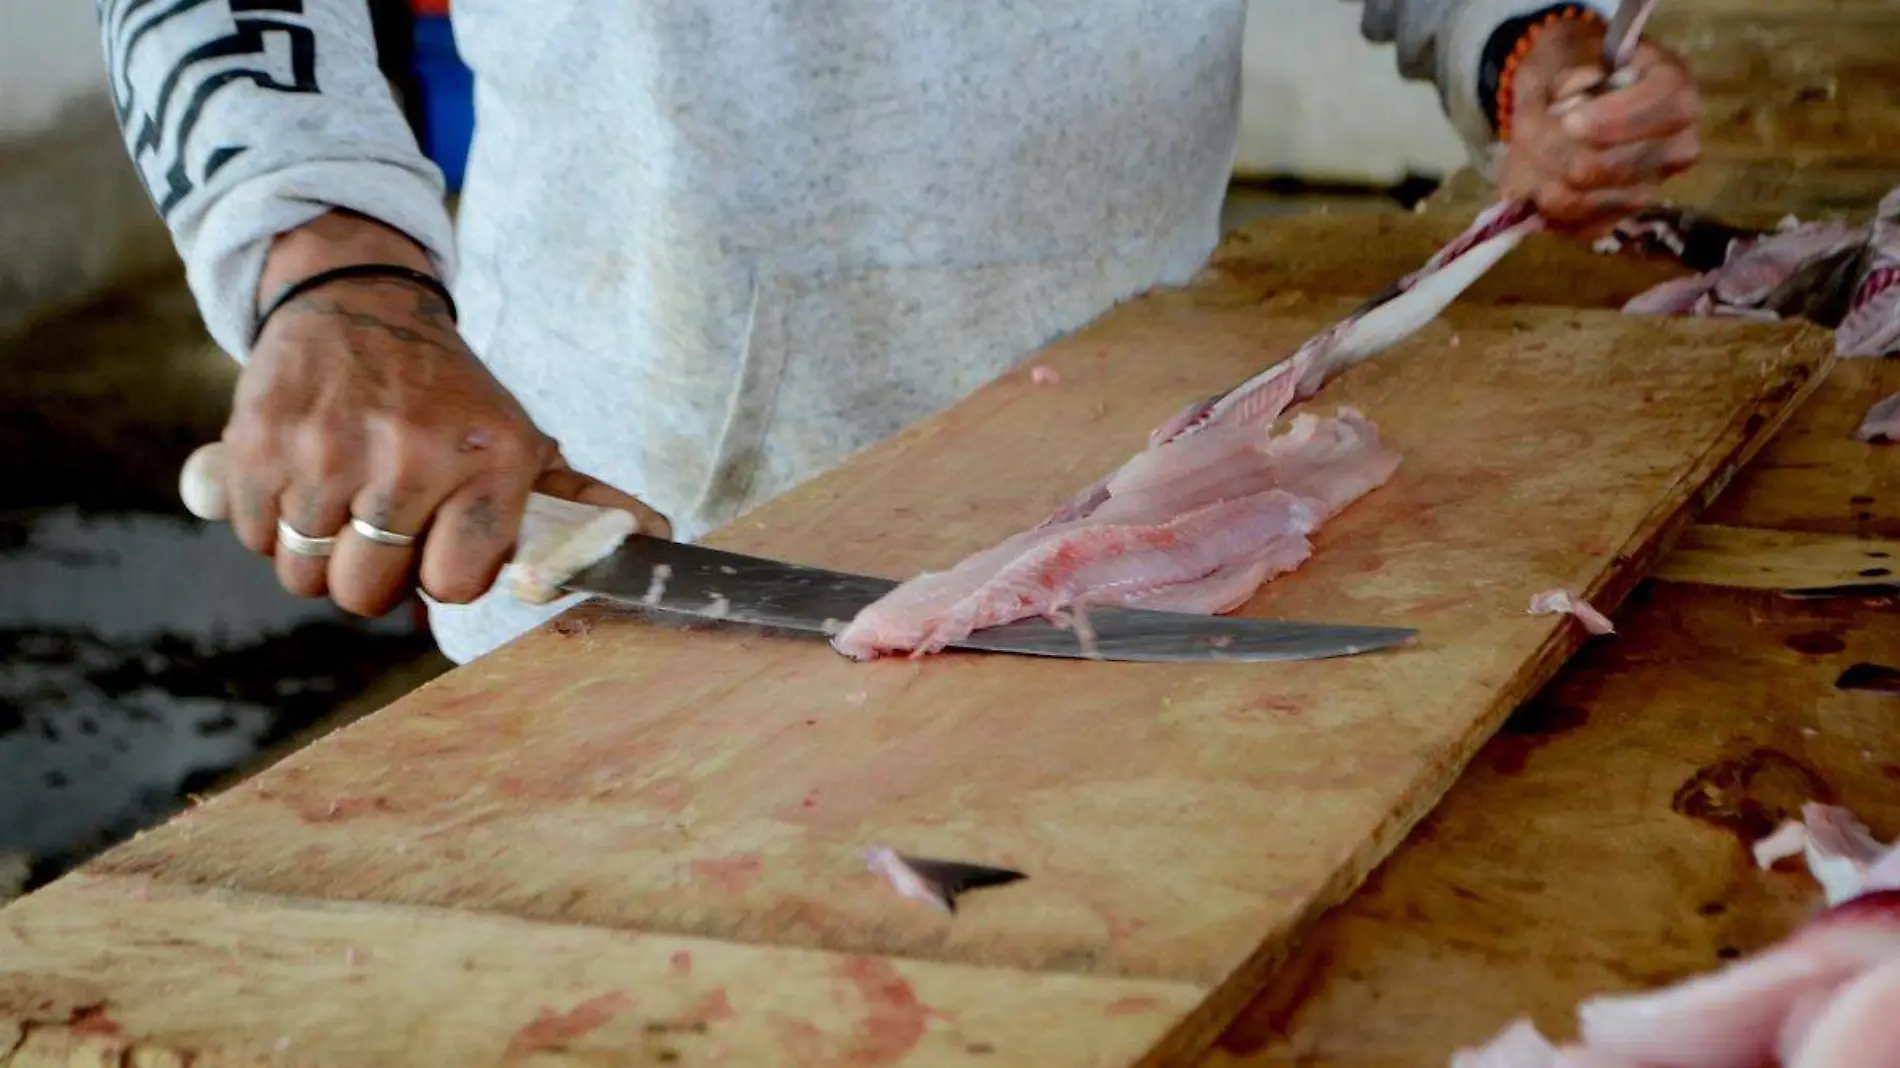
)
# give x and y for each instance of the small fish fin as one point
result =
(950, 879)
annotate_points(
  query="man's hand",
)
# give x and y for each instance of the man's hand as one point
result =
(1588, 162)
(361, 400)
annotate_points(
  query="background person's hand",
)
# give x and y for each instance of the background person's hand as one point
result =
(361, 400)
(1590, 162)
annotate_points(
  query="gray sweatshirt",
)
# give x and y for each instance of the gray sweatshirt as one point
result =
(715, 247)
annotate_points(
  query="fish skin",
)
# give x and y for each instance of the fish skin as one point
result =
(1840, 851)
(1882, 421)
(1560, 602)
(1871, 326)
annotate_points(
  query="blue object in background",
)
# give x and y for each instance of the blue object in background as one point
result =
(448, 98)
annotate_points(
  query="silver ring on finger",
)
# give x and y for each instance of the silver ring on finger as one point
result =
(380, 536)
(302, 544)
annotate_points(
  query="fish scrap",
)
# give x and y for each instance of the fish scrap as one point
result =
(1560, 602)
(1823, 997)
(1843, 277)
(934, 882)
(1215, 505)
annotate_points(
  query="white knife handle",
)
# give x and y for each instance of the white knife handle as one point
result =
(558, 538)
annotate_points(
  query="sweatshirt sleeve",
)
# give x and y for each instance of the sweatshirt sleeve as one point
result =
(1443, 41)
(246, 118)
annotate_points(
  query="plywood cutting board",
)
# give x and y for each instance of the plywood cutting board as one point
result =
(1178, 823)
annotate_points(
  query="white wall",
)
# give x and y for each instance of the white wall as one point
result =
(49, 60)
(73, 220)
(1318, 101)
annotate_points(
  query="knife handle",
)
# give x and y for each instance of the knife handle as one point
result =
(558, 537)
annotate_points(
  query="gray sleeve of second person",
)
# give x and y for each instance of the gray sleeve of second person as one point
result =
(1443, 41)
(246, 118)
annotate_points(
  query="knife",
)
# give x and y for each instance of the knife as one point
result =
(565, 547)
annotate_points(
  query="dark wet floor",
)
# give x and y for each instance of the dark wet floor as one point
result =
(144, 656)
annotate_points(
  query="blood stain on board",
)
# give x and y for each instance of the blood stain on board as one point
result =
(713, 1007)
(552, 1030)
(1749, 796)
(1872, 678)
(337, 809)
(92, 1020)
(680, 964)
(1133, 1005)
(733, 875)
(894, 1019)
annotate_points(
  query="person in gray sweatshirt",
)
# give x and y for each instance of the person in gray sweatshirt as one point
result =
(707, 249)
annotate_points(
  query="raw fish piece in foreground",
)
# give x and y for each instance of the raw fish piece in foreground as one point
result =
(1827, 996)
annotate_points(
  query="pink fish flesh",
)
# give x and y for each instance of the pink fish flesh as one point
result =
(1850, 274)
(1215, 505)
(1755, 268)
(1196, 528)
(1560, 602)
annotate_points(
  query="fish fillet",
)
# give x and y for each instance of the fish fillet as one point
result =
(1215, 505)
(1195, 525)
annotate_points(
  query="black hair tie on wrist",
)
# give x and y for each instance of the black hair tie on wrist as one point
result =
(355, 270)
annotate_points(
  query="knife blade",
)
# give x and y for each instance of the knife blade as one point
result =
(695, 580)
(575, 548)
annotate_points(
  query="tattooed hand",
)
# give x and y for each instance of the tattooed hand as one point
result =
(361, 399)
(1587, 162)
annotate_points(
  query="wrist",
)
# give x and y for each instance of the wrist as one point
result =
(1512, 41)
(337, 239)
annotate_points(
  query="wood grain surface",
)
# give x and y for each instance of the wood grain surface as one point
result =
(1814, 476)
(1780, 80)
(131, 971)
(1599, 842)
(1178, 823)
(1754, 559)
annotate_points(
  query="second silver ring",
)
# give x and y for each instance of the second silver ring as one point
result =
(380, 536)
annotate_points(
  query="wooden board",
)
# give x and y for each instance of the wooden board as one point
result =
(132, 971)
(1178, 823)
(1597, 844)
(1753, 559)
(1814, 476)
